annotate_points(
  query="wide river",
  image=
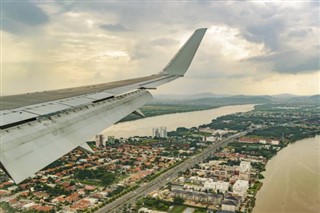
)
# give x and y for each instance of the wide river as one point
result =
(292, 177)
(143, 127)
(292, 180)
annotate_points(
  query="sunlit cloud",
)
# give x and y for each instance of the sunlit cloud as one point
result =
(256, 47)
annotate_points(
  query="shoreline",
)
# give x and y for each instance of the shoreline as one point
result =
(143, 127)
(179, 112)
(269, 176)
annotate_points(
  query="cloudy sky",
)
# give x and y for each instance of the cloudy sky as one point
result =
(251, 47)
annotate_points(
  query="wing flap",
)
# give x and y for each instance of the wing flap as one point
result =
(27, 149)
(38, 128)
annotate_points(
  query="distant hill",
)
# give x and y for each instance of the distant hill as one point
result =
(284, 96)
(232, 100)
(211, 99)
(313, 98)
(188, 97)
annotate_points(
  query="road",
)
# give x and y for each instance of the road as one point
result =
(166, 177)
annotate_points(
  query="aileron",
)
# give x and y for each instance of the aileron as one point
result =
(38, 128)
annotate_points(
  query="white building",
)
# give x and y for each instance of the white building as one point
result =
(275, 142)
(155, 133)
(215, 162)
(209, 138)
(163, 132)
(217, 186)
(245, 167)
(263, 141)
(160, 132)
(240, 187)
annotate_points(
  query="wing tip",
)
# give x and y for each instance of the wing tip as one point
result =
(200, 29)
(180, 63)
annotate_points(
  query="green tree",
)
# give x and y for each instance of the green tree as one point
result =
(108, 178)
(178, 200)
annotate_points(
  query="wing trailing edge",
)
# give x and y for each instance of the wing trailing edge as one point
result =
(39, 128)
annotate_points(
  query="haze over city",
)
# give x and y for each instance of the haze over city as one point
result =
(250, 48)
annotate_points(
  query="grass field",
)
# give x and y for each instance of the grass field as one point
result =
(178, 209)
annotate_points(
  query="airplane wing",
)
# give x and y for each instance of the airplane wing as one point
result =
(38, 128)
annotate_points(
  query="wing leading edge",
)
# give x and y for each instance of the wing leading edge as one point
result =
(38, 128)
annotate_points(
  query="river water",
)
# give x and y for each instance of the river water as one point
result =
(143, 127)
(292, 180)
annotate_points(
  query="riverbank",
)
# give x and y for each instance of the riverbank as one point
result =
(292, 179)
(274, 129)
(143, 127)
(154, 159)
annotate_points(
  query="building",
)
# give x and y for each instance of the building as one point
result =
(209, 138)
(240, 188)
(262, 141)
(229, 206)
(99, 140)
(160, 132)
(248, 140)
(155, 133)
(163, 132)
(244, 170)
(219, 186)
(245, 167)
(230, 203)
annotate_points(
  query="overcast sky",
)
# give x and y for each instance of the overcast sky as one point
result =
(251, 47)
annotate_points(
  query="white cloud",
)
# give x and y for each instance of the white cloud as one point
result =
(249, 48)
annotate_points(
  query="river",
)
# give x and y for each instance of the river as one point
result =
(143, 127)
(292, 180)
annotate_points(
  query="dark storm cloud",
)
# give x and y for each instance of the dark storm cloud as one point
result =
(266, 33)
(291, 61)
(21, 15)
(114, 27)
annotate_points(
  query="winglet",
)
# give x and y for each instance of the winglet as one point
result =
(180, 63)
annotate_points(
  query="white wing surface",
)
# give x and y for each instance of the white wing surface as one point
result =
(38, 128)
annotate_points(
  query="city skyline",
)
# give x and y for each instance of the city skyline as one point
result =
(250, 48)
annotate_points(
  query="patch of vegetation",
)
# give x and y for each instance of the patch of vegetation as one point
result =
(177, 209)
(155, 203)
(5, 206)
(98, 175)
(178, 200)
(52, 191)
(254, 149)
(290, 133)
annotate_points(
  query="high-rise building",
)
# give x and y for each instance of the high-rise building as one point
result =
(160, 132)
(155, 133)
(99, 140)
(163, 132)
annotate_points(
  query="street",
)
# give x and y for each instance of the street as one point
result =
(163, 179)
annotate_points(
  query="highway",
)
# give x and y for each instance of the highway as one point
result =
(166, 177)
